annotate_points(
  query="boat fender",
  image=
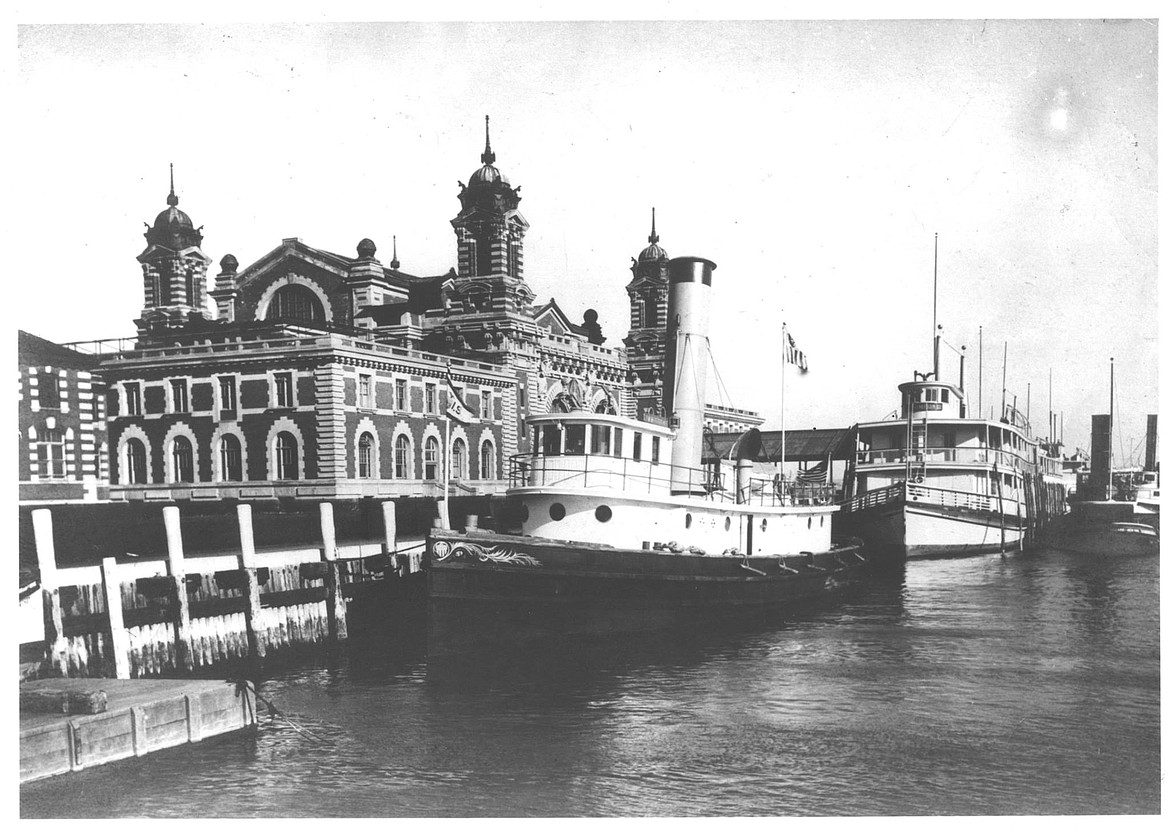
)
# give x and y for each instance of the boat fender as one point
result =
(674, 547)
(695, 550)
(918, 479)
(732, 550)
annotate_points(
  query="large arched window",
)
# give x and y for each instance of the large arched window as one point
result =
(402, 469)
(458, 459)
(51, 455)
(487, 461)
(231, 460)
(286, 456)
(135, 462)
(431, 459)
(365, 456)
(296, 303)
(182, 459)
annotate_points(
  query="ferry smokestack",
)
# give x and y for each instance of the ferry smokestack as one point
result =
(685, 391)
(1151, 443)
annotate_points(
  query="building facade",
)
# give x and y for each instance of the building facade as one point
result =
(329, 375)
(61, 424)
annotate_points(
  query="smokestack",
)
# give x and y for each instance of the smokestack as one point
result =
(1151, 443)
(685, 388)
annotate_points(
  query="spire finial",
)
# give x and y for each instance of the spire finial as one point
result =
(394, 261)
(172, 198)
(653, 239)
(487, 157)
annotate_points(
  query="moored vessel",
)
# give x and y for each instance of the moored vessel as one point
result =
(607, 509)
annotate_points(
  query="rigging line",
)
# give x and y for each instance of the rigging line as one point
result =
(718, 377)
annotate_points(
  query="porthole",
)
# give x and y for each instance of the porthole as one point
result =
(690, 520)
(727, 524)
(603, 513)
(764, 524)
(556, 511)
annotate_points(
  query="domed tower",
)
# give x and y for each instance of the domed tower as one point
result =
(174, 269)
(490, 229)
(645, 344)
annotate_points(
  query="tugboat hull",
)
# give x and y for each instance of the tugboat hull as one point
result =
(483, 566)
(902, 529)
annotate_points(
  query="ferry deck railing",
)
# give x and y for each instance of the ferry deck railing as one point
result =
(946, 455)
(930, 494)
(643, 478)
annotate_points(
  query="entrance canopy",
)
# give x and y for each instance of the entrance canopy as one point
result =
(799, 445)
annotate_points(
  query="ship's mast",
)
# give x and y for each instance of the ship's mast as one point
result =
(1109, 458)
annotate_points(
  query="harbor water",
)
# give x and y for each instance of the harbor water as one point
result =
(973, 686)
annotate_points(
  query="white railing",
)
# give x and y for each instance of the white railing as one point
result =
(929, 494)
(945, 455)
(643, 478)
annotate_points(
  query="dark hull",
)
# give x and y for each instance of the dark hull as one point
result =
(483, 566)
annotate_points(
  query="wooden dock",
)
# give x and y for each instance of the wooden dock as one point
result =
(67, 725)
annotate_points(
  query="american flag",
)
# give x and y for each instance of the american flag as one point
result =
(795, 356)
(815, 475)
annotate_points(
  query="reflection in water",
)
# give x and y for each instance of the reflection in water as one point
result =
(977, 686)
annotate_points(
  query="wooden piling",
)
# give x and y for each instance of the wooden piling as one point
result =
(181, 612)
(390, 538)
(335, 611)
(117, 661)
(257, 646)
(55, 645)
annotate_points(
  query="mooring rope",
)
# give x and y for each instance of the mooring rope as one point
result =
(255, 688)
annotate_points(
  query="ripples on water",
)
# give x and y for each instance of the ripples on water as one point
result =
(1026, 685)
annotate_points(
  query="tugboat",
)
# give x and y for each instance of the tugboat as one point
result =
(613, 511)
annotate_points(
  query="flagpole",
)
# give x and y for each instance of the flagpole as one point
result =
(783, 439)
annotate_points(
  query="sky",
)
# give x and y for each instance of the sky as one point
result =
(813, 161)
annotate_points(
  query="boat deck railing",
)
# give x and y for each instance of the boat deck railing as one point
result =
(946, 455)
(929, 494)
(657, 479)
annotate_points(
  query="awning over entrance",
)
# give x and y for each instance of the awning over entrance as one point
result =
(799, 445)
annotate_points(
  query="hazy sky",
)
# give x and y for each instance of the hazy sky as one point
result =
(812, 161)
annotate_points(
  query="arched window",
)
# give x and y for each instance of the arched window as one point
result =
(135, 462)
(296, 303)
(402, 469)
(487, 461)
(365, 456)
(458, 459)
(231, 461)
(431, 459)
(286, 456)
(182, 459)
(51, 455)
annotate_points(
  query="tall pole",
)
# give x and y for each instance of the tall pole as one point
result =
(1003, 399)
(783, 440)
(1109, 480)
(446, 458)
(980, 372)
(934, 325)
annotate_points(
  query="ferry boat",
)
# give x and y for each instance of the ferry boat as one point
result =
(934, 482)
(615, 511)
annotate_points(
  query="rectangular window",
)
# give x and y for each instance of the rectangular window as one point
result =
(654, 444)
(400, 395)
(284, 388)
(575, 440)
(485, 405)
(365, 391)
(133, 399)
(179, 396)
(617, 441)
(49, 390)
(227, 394)
(946, 396)
(522, 394)
(637, 447)
(432, 399)
(551, 440)
(600, 441)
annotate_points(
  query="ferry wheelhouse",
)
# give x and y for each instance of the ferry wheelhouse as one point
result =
(610, 509)
(934, 482)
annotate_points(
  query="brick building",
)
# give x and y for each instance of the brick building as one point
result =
(61, 426)
(329, 375)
